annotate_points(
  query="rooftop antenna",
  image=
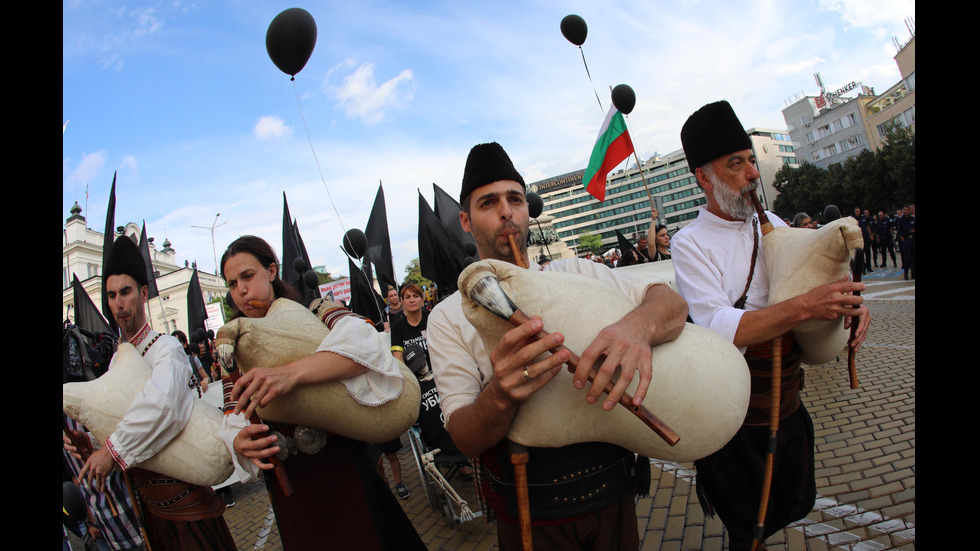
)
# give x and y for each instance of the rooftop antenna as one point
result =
(816, 76)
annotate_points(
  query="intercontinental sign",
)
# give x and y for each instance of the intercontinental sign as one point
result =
(557, 182)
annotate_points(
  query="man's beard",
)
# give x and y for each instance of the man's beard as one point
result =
(488, 242)
(733, 203)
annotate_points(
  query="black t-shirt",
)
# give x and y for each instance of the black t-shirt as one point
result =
(404, 335)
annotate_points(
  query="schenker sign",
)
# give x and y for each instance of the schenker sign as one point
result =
(842, 90)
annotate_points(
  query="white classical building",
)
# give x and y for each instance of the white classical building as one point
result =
(81, 257)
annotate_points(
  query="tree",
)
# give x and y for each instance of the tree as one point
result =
(876, 180)
(800, 190)
(414, 274)
(587, 242)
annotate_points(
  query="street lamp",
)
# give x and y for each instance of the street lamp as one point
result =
(213, 250)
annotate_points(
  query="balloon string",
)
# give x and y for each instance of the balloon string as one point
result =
(322, 179)
(320, 170)
(590, 79)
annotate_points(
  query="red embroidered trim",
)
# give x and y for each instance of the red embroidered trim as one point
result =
(140, 335)
(112, 451)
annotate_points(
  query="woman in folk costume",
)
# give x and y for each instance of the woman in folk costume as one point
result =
(339, 501)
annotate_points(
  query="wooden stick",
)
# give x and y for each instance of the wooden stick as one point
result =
(519, 454)
(84, 451)
(763, 218)
(518, 257)
(777, 368)
(519, 457)
(287, 487)
(777, 347)
(851, 365)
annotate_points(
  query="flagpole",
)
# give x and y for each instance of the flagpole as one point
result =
(639, 169)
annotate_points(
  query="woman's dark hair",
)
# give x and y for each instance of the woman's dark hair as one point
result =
(262, 251)
(659, 227)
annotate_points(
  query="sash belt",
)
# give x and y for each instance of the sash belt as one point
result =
(175, 500)
(759, 358)
(569, 481)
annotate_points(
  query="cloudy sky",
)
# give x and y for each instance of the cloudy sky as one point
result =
(181, 99)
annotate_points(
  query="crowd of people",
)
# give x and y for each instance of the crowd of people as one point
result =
(882, 233)
(584, 493)
(639, 251)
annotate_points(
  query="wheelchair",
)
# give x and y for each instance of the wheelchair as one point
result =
(436, 469)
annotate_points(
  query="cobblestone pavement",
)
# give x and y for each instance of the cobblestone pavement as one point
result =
(865, 461)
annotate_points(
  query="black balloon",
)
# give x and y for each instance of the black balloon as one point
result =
(299, 265)
(830, 213)
(310, 279)
(355, 243)
(624, 98)
(574, 29)
(290, 40)
(470, 249)
(534, 205)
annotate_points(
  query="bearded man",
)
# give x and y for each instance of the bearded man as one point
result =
(720, 270)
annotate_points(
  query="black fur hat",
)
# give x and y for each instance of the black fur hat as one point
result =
(486, 164)
(712, 131)
(125, 258)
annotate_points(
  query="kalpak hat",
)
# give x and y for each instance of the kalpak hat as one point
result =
(487, 163)
(125, 259)
(712, 131)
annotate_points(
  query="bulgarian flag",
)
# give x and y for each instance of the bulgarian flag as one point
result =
(611, 147)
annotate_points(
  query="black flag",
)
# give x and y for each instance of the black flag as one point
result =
(437, 257)
(196, 311)
(626, 249)
(151, 278)
(290, 247)
(447, 211)
(294, 249)
(363, 298)
(107, 239)
(378, 244)
(87, 316)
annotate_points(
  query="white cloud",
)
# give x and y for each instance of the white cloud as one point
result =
(270, 126)
(861, 13)
(146, 21)
(362, 97)
(129, 162)
(90, 165)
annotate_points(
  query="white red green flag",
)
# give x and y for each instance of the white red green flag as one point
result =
(611, 147)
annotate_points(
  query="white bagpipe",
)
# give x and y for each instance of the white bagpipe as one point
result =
(700, 387)
(197, 455)
(289, 332)
(799, 260)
